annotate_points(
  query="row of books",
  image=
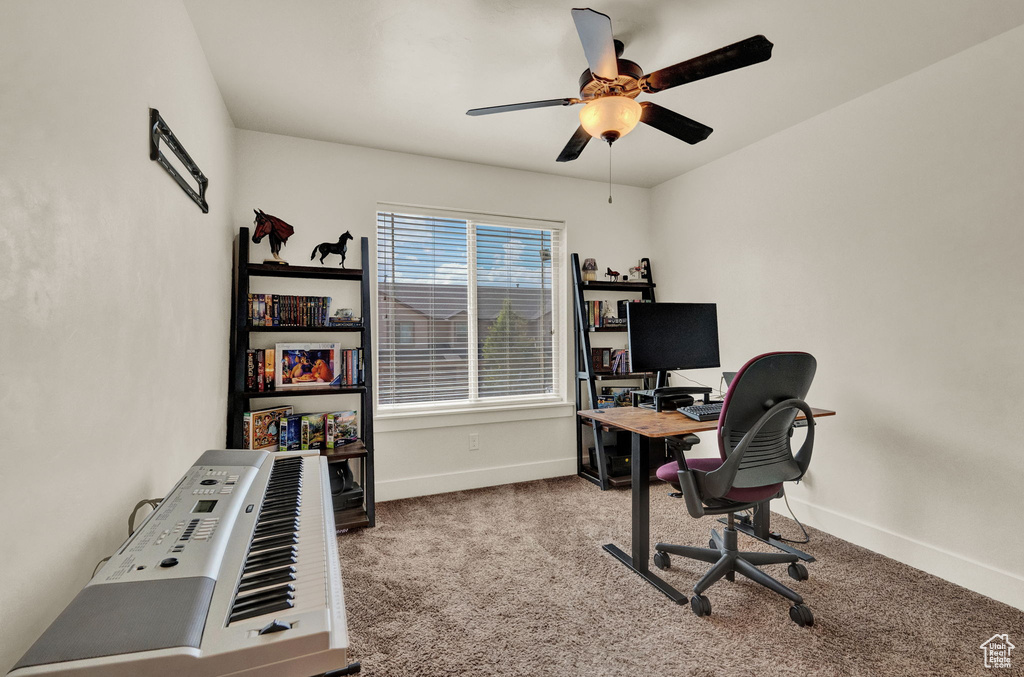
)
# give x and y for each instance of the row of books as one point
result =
(279, 310)
(259, 369)
(290, 365)
(279, 429)
(350, 369)
(610, 360)
(609, 313)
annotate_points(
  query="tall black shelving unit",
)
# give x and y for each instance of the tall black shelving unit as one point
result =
(595, 465)
(240, 400)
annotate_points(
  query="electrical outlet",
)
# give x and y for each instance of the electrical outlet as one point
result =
(474, 441)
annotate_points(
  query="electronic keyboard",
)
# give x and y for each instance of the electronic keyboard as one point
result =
(235, 573)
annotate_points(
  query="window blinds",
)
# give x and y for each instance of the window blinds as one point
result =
(467, 310)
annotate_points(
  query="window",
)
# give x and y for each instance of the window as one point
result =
(484, 294)
(403, 331)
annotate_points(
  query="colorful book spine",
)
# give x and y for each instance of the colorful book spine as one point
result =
(290, 433)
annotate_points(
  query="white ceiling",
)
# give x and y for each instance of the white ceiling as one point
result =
(400, 74)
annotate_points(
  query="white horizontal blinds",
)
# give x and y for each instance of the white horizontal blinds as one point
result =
(422, 278)
(515, 273)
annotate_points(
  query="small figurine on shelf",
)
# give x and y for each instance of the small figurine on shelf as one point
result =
(278, 230)
(340, 247)
(612, 275)
(589, 270)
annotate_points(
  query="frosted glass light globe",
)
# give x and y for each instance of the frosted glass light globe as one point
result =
(610, 117)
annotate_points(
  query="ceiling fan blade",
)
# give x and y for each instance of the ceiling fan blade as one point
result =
(595, 31)
(743, 53)
(522, 106)
(674, 124)
(575, 146)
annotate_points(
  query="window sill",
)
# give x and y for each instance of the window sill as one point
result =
(394, 421)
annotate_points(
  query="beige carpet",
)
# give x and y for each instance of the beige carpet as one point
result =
(512, 580)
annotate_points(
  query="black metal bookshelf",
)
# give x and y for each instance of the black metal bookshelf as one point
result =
(240, 400)
(611, 446)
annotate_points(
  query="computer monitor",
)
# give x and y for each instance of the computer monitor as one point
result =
(668, 336)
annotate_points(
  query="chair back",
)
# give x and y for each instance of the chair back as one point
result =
(761, 384)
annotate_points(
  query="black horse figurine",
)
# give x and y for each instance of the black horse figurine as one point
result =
(340, 247)
(278, 230)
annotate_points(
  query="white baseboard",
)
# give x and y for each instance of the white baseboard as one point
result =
(998, 584)
(390, 490)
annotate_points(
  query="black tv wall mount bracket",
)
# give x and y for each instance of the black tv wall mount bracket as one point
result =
(158, 129)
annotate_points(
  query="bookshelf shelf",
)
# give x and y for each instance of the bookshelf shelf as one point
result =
(595, 285)
(308, 272)
(241, 400)
(303, 392)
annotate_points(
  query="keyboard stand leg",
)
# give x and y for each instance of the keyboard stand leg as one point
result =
(350, 669)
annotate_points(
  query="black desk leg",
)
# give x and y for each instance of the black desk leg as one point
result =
(761, 529)
(641, 518)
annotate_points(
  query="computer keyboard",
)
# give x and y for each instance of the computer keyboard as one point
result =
(702, 412)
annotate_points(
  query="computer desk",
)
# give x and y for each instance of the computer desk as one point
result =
(646, 425)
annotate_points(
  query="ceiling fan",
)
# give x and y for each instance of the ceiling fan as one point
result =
(610, 86)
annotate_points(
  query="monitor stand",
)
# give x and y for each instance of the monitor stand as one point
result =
(669, 397)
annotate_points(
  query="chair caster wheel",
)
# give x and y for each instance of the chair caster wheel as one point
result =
(712, 545)
(661, 560)
(700, 605)
(797, 571)
(801, 615)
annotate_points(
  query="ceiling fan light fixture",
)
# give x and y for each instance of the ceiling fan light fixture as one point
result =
(610, 117)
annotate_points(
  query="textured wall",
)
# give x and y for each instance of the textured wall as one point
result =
(885, 237)
(113, 287)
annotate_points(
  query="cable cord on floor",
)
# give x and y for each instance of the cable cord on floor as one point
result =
(807, 538)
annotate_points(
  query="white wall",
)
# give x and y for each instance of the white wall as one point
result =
(323, 189)
(113, 287)
(885, 237)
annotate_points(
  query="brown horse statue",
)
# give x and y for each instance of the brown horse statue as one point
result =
(340, 247)
(278, 230)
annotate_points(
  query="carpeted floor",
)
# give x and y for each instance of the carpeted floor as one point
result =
(512, 580)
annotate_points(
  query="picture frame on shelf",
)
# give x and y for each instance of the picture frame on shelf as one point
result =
(304, 365)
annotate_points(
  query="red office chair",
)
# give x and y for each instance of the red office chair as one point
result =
(754, 431)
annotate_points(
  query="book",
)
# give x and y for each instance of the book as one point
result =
(247, 430)
(261, 370)
(264, 426)
(269, 368)
(250, 370)
(313, 436)
(290, 435)
(346, 427)
(341, 428)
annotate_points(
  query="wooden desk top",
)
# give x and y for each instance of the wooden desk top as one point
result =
(650, 423)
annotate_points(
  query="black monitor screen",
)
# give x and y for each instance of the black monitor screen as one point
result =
(667, 336)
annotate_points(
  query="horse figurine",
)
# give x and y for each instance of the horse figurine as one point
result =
(278, 230)
(340, 247)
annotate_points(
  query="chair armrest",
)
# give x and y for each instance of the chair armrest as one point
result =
(718, 482)
(688, 486)
(679, 444)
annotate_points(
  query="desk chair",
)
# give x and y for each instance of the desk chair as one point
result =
(754, 431)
